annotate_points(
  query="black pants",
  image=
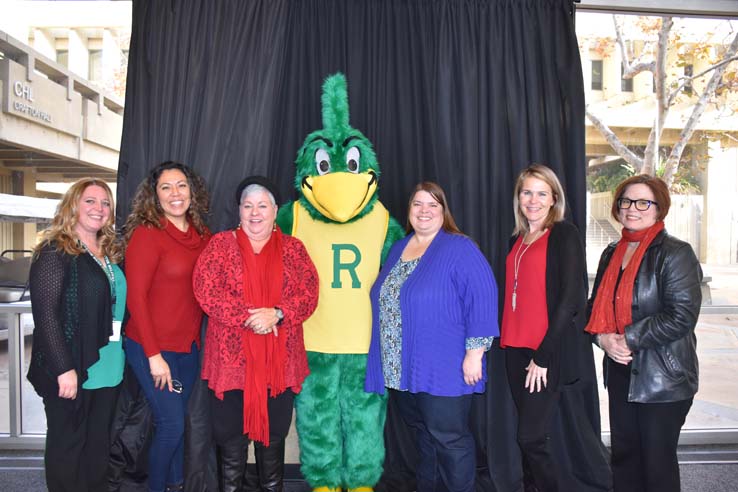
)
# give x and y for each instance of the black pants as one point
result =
(78, 440)
(227, 415)
(535, 414)
(644, 437)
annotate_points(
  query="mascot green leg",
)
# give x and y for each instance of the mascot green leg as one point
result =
(340, 427)
(318, 421)
(362, 421)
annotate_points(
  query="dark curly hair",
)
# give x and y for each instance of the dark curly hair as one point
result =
(146, 209)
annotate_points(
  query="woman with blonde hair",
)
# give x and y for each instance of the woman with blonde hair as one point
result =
(166, 233)
(547, 351)
(78, 297)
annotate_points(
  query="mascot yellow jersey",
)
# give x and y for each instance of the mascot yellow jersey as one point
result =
(348, 259)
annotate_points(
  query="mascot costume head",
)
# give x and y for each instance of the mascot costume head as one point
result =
(337, 171)
(347, 232)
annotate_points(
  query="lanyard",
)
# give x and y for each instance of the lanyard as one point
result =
(107, 268)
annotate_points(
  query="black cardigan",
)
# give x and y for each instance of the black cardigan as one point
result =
(566, 350)
(72, 314)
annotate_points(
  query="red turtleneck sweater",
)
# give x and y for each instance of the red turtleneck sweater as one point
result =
(164, 312)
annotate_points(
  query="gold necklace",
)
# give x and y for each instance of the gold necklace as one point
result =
(516, 265)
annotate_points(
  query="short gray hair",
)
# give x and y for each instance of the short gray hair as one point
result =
(257, 188)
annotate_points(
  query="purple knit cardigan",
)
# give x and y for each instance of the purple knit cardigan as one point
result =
(450, 296)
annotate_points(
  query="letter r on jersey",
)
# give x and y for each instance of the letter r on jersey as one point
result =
(349, 264)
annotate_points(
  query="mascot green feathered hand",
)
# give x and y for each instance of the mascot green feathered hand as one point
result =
(347, 232)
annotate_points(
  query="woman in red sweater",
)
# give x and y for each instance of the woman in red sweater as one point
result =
(257, 287)
(165, 235)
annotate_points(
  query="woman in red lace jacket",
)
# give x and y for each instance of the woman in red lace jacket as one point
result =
(257, 286)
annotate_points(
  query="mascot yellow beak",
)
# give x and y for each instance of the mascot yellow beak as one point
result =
(340, 196)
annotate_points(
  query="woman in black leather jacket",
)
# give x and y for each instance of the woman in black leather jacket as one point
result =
(643, 311)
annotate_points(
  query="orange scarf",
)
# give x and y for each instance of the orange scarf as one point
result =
(604, 318)
(265, 354)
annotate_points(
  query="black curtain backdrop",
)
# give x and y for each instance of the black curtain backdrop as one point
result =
(463, 92)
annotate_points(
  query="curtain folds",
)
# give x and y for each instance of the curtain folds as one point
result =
(463, 92)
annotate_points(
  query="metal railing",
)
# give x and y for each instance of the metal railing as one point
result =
(15, 439)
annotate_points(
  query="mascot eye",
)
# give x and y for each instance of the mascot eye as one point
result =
(352, 159)
(322, 162)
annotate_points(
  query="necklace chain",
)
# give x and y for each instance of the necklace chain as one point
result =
(516, 265)
(107, 268)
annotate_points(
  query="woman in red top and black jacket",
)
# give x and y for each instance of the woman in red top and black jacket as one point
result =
(165, 235)
(257, 287)
(547, 351)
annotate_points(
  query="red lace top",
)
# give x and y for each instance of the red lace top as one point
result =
(218, 285)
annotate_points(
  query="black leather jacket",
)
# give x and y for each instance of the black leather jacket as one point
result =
(666, 304)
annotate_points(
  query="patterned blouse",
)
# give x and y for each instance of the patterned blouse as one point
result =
(390, 324)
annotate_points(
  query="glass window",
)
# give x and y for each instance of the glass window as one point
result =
(95, 65)
(699, 162)
(596, 75)
(688, 73)
(62, 57)
(626, 85)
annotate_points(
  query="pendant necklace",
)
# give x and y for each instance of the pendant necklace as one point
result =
(516, 266)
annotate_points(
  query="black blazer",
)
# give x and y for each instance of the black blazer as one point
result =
(566, 349)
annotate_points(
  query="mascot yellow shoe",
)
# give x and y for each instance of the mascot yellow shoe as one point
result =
(347, 232)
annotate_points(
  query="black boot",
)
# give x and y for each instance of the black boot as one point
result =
(251, 478)
(270, 464)
(232, 463)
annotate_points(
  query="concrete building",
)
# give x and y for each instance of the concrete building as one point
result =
(60, 118)
(628, 107)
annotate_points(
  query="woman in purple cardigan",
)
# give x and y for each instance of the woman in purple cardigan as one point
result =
(434, 310)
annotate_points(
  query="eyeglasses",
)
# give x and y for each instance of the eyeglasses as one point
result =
(177, 386)
(642, 205)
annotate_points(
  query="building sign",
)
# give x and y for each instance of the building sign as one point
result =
(40, 100)
(24, 91)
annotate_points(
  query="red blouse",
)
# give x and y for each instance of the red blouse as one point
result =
(218, 286)
(164, 312)
(527, 324)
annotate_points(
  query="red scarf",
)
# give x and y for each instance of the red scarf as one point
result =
(604, 319)
(265, 354)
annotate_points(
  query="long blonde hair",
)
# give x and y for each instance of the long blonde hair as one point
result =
(61, 232)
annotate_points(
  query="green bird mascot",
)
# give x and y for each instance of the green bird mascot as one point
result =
(347, 232)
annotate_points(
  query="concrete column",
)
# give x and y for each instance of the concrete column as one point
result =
(44, 43)
(611, 71)
(79, 57)
(643, 85)
(111, 59)
(24, 234)
(720, 220)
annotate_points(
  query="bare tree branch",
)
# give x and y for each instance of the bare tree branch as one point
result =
(630, 70)
(662, 108)
(687, 80)
(676, 152)
(619, 147)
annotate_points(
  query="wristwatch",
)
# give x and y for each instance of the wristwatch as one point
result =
(280, 315)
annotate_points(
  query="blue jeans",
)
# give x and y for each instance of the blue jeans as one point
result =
(446, 448)
(166, 455)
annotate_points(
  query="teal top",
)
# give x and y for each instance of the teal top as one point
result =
(108, 371)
